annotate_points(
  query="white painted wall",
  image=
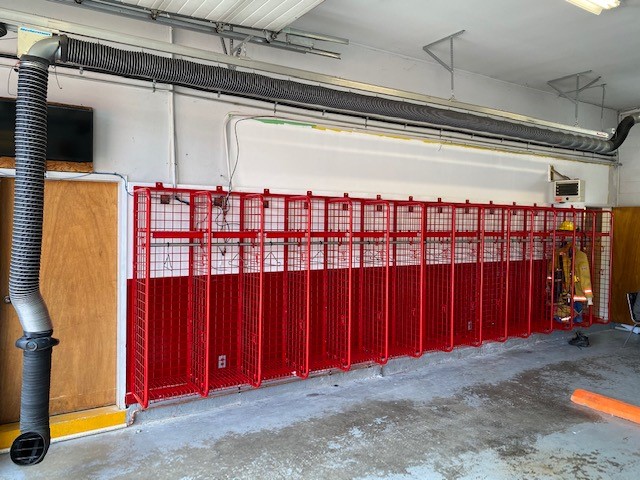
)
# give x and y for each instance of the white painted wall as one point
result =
(132, 125)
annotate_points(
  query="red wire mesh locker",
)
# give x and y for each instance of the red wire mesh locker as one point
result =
(227, 324)
(334, 351)
(162, 348)
(370, 334)
(544, 238)
(406, 320)
(251, 286)
(468, 274)
(286, 286)
(438, 297)
(297, 283)
(520, 271)
(495, 267)
(601, 262)
(566, 247)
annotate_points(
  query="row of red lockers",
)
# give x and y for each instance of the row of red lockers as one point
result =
(230, 289)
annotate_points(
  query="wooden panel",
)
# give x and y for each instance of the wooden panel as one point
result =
(53, 165)
(79, 277)
(626, 260)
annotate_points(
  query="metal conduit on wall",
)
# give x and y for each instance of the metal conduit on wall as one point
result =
(37, 342)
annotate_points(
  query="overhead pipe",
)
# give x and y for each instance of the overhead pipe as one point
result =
(37, 341)
(141, 65)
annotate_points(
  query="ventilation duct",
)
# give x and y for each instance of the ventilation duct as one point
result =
(24, 276)
(219, 79)
(31, 141)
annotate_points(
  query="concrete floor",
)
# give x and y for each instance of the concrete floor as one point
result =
(499, 412)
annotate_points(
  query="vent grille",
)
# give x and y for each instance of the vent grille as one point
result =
(568, 189)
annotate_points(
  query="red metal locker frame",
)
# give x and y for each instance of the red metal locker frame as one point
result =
(468, 274)
(338, 282)
(262, 286)
(439, 276)
(406, 320)
(370, 335)
(541, 290)
(518, 294)
(495, 271)
(163, 349)
(226, 368)
(297, 282)
(602, 257)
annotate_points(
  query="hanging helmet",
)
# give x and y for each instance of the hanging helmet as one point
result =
(566, 226)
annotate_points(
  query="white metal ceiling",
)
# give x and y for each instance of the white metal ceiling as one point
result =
(526, 43)
(271, 15)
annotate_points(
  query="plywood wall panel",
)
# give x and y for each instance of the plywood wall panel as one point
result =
(79, 275)
(626, 260)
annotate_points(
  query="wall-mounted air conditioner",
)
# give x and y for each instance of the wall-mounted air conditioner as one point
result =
(567, 191)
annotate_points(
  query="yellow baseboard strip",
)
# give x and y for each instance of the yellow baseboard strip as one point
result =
(71, 425)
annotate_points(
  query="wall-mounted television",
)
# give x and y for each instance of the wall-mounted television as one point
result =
(70, 132)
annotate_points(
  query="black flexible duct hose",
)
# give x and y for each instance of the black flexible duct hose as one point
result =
(24, 278)
(218, 79)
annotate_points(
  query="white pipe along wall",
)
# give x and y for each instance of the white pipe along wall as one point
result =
(133, 130)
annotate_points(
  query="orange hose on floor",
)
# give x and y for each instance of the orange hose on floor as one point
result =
(607, 405)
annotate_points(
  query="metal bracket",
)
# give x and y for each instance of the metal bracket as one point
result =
(449, 68)
(575, 99)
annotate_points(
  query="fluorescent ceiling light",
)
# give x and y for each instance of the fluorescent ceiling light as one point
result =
(595, 6)
(271, 15)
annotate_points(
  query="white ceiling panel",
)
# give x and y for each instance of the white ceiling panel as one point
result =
(264, 14)
(517, 41)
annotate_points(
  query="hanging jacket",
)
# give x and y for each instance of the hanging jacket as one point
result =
(582, 275)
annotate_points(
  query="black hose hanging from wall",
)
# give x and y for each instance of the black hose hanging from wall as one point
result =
(218, 79)
(24, 277)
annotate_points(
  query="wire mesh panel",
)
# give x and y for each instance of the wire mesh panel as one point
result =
(406, 320)
(370, 339)
(200, 276)
(542, 285)
(164, 233)
(274, 349)
(602, 261)
(138, 358)
(468, 275)
(297, 284)
(251, 286)
(227, 325)
(494, 273)
(319, 355)
(339, 275)
(439, 276)
(520, 271)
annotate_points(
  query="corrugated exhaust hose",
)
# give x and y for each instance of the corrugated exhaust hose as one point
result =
(218, 79)
(24, 276)
(31, 145)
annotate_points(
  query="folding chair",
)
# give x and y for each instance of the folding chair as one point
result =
(631, 301)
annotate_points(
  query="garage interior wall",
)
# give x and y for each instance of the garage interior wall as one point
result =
(132, 129)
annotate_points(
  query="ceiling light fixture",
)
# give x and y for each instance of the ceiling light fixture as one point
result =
(595, 6)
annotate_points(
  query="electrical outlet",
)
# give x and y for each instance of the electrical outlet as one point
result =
(222, 361)
(469, 325)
